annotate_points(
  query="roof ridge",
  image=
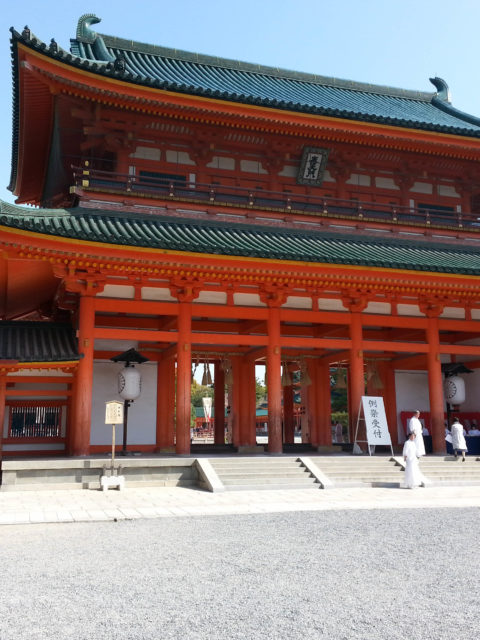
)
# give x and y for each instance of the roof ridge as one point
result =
(251, 67)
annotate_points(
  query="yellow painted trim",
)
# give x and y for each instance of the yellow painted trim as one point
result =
(193, 254)
(49, 365)
(254, 108)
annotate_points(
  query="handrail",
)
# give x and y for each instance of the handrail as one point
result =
(225, 195)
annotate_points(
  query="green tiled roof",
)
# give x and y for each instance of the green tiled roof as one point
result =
(246, 83)
(37, 342)
(229, 239)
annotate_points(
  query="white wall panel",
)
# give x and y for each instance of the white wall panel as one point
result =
(141, 414)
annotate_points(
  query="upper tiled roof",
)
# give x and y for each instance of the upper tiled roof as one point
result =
(241, 82)
(132, 229)
(37, 342)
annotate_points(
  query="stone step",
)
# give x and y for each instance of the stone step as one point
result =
(271, 487)
(267, 481)
(260, 473)
(250, 467)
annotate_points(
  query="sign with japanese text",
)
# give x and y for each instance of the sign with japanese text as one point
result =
(114, 412)
(375, 421)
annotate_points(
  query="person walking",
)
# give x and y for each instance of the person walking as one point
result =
(458, 439)
(413, 477)
(416, 427)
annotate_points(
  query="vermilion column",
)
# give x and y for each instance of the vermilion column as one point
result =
(357, 376)
(288, 418)
(387, 375)
(314, 402)
(165, 404)
(325, 404)
(219, 404)
(236, 399)
(274, 386)
(435, 386)
(84, 378)
(3, 386)
(246, 415)
(184, 375)
(70, 418)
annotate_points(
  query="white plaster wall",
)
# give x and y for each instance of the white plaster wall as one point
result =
(411, 392)
(141, 414)
(298, 302)
(146, 153)
(422, 187)
(117, 291)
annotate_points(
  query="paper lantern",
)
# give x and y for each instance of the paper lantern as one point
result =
(454, 390)
(129, 383)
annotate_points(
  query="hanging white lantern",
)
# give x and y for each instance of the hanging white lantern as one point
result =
(454, 390)
(129, 383)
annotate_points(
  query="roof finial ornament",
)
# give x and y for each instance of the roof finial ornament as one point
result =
(443, 92)
(84, 33)
(87, 36)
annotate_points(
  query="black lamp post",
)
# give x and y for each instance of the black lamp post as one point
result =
(129, 385)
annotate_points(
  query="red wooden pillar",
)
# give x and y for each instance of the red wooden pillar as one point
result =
(184, 377)
(165, 432)
(219, 404)
(84, 379)
(247, 399)
(325, 404)
(357, 376)
(435, 386)
(236, 399)
(274, 386)
(3, 387)
(387, 375)
(313, 402)
(70, 422)
(288, 418)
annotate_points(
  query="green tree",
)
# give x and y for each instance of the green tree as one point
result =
(200, 391)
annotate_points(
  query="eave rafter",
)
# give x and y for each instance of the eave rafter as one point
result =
(132, 97)
(106, 264)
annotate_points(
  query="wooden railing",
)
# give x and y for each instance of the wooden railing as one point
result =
(35, 421)
(233, 196)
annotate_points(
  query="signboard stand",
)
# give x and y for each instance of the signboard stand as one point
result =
(375, 421)
(113, 416)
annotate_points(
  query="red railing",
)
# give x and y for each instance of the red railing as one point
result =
(233, 196)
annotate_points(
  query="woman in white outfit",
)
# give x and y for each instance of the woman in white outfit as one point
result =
(413, 477)
(458, 439)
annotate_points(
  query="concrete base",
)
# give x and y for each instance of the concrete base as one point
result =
(112, 481)
(260, 449)
(86, 473)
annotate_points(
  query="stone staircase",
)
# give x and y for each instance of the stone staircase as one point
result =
(446, 470)
(360, 471)
(244, 473)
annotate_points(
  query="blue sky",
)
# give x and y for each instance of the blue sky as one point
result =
(399, 43)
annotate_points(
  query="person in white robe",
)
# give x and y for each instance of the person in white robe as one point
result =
(413, 477)
(416, 427)
(458, 439)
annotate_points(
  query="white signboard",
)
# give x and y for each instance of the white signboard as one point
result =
(114, 412)
(375, 421)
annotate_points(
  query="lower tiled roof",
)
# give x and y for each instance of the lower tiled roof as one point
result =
(37, 342)
(132, 229)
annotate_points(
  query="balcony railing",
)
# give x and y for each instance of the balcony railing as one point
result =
(233, 196)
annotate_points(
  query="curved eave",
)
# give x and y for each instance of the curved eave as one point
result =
(33, 105)
(160, 241)
(137, 84)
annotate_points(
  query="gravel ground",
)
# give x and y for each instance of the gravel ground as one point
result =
(376, 575)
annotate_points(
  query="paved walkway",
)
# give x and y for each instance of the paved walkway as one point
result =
(28, 507)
